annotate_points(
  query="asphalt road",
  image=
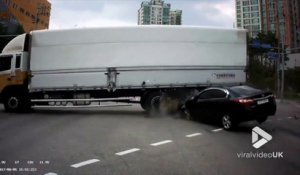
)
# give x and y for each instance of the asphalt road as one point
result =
(124, 140)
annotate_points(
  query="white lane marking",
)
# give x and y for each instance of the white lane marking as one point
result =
(50, 173)
(161, 143)
(217, 130)
(77, 165)
(269, 120)
(193, 135)
(279, 119)
(290, 117)
(127, 151)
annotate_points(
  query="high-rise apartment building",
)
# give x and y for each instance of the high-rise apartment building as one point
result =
(295, 23)
(175, 17)
(282, 17)
(248, 16)
(28, 14)
(158, 12)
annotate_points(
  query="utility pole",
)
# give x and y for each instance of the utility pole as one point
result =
(278, 69)
(282, 71)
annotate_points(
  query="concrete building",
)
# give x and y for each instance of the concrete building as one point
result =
(175, 17)
(248, 16)
(157, 12)
(30, 15)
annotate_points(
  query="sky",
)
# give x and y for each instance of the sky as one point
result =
(96, 13)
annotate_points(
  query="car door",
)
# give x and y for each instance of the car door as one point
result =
(199, 107)
(217, 103)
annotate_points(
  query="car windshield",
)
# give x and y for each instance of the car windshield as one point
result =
(242, 91)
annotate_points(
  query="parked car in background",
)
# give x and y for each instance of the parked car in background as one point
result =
(231, 105)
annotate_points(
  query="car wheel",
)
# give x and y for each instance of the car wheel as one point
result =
(227, 122)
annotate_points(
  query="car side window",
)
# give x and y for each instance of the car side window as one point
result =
(218, 93)
(5, 63)
(18, 61)
(213, 93)
(205, 95)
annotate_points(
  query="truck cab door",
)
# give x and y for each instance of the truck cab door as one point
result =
(7, 70)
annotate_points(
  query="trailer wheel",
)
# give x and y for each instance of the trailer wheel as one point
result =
(152, 102)
(143, 102)
(16, 102)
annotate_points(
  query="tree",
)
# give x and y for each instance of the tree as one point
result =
(261, 70)
(269, 38)
(293, 79)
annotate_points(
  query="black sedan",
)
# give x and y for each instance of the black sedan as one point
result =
(231, 106)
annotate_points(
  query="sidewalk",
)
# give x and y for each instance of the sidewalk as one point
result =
(295, 103)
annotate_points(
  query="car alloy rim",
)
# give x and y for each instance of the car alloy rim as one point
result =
(13, 102)
(226, 121)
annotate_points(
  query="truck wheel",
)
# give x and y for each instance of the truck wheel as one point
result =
(16, 103)
(143, 102)
(169, 105)
(152, 102)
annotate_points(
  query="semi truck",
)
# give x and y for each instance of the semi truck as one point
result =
(137, 64)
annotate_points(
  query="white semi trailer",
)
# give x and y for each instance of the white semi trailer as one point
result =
(77, 67)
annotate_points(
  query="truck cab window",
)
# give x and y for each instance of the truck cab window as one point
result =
(5, 63)
(18, 61)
